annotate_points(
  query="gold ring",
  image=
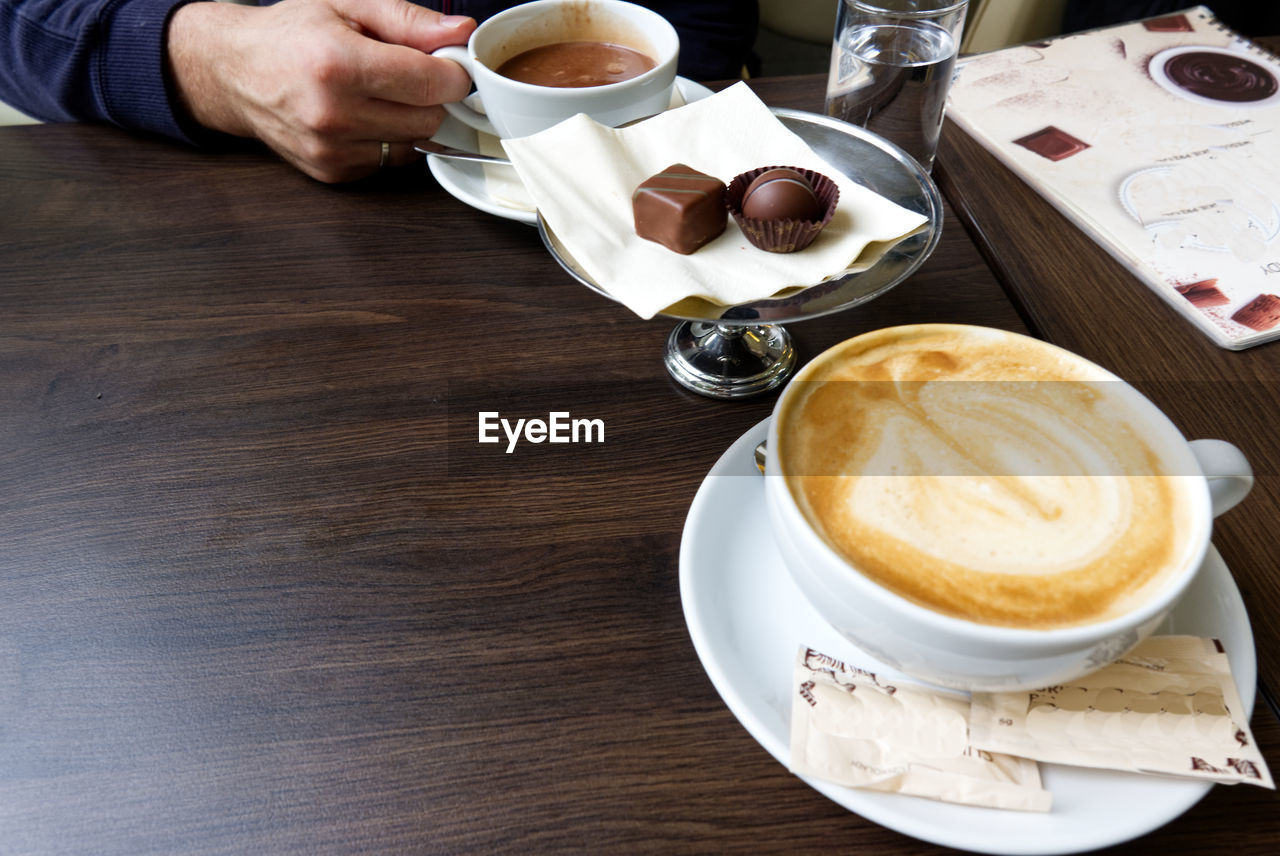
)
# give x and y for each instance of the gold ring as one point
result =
(384, 155)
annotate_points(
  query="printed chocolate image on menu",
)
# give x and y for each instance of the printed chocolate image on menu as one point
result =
(1159, 139)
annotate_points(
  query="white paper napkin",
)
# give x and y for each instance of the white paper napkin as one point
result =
(581, 175)
(501, 181)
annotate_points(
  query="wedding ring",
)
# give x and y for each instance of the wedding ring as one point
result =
(384, 155)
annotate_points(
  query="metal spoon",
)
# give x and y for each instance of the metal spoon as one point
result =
(430, 147)
(761, 454)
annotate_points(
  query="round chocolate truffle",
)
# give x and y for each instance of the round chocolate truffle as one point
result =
(781, 194)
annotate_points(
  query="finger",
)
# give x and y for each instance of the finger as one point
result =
(402, 23)
(387, 50)
(402, 124)
(339, 159)
(405, 76)
(397, 154)
(388, 120)
(402, 154)
(352, 160)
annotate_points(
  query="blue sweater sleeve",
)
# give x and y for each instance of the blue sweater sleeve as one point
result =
(89, 60)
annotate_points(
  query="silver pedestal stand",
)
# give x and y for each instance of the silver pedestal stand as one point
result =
(740, 351)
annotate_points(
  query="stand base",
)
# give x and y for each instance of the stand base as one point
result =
(727, 361)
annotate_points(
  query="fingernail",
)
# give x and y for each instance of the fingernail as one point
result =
(454, 20)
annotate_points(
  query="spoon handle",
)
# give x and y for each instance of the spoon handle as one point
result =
(433, 148)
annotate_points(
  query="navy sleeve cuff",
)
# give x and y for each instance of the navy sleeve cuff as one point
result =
(132, 75)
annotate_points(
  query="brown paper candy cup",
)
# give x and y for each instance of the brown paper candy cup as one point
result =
(782, 236)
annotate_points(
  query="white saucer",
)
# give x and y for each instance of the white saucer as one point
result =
(465, 180)
(747, 618)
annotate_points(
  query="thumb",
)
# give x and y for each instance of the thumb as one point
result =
(403, 23)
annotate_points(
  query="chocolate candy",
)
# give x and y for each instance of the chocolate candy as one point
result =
(779, 220)
(680, 208)
(781, 194)
(1052, 143)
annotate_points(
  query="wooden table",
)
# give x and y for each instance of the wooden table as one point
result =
(262, 591)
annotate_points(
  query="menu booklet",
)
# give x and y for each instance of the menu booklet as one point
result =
(1161, 139)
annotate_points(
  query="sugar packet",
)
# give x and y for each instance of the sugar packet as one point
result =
(1169, 707)
(853, 728)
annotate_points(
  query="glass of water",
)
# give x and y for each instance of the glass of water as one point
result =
(891, 67)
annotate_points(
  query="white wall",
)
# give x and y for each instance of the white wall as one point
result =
(993, 24)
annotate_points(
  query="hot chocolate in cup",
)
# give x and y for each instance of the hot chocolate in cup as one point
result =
(557, 40)
(986, 511)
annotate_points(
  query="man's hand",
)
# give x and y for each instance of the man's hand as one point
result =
(322, 82)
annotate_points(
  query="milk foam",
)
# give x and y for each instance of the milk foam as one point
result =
(984, 475)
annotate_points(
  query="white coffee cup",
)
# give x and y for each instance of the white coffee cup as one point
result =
(929, 636)
(516, 109)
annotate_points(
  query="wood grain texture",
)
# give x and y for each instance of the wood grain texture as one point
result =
(261, 590)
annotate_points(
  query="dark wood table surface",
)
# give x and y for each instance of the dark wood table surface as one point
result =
(262, 591)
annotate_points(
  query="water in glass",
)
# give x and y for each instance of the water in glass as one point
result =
(892, 79)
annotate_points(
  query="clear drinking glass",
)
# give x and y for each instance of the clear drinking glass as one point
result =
(891, 67)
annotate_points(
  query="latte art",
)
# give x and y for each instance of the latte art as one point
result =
(985, 475)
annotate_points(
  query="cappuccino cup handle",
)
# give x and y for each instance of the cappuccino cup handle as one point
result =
(457, 109)
(1228, 472)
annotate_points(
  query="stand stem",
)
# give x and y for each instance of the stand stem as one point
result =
(729, 361)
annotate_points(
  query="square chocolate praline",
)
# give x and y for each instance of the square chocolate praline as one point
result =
(1052, 143)
(680, 208)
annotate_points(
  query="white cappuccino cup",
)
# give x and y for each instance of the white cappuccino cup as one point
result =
(986, 511)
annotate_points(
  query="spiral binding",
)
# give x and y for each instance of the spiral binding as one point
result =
(1245, 43)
